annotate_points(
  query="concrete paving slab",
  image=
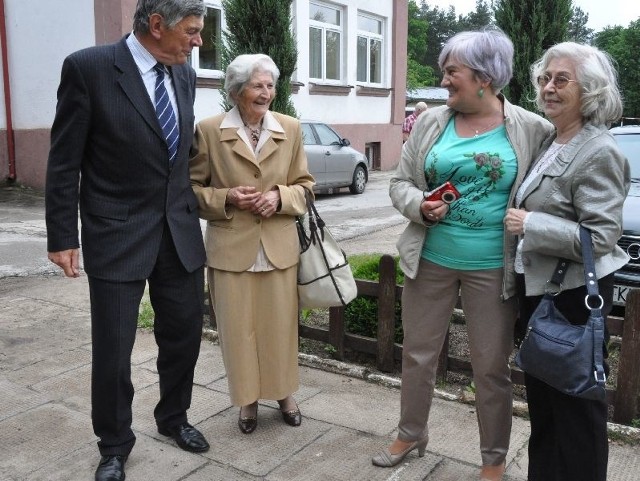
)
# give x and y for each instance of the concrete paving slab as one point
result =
(53, 366)
(70, 389)
(624, 462)
(78, 465)
(357, 405)
(215, 472)
(210, 367)
(17, 398)
(205, 403)
(259, 453)
(343, 454)
(145, 350)
(38, 438)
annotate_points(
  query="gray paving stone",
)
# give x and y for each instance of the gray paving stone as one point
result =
(39, 437)
(53, 366)
(17, 398)
(357, 405)
(262, 451)
(342, 454)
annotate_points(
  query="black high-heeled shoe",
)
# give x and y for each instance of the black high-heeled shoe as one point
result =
(248, 424)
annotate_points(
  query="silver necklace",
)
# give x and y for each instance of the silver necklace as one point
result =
(481, 130)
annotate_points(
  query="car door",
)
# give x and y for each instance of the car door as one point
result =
(315, 154)
(339, 162)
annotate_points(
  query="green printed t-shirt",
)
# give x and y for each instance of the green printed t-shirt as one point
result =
(483, 169)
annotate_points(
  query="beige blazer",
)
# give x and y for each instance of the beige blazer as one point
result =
(220, 159)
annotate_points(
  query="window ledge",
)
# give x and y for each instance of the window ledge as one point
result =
(372, 91)
(326, 89)
(218, 83)
(209, 83)
(295, 86)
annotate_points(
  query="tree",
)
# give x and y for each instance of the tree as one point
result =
(533, 26)
(578, 31)
(619, 42)
(262, 26)
(418, 74)
(442, 26)
(477, 20)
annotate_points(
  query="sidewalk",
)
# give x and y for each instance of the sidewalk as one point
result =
(348, 413)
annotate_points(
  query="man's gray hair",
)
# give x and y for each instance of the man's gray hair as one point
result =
(241, 69)
(172, 11)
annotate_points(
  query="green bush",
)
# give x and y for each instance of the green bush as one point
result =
(146, 316)
(361, 315)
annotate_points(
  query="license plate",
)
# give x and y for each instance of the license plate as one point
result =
(620, 295)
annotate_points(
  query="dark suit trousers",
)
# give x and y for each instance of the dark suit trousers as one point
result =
(177, 299)
(568, 434)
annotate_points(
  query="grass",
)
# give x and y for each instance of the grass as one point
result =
(146, 315)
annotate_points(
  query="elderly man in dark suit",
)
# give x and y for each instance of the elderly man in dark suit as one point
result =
(119, 150)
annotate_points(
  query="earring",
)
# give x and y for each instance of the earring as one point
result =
(480, 92)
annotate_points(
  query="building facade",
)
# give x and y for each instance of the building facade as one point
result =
(351, 70)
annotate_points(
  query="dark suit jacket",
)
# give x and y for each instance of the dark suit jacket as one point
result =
(106, 139)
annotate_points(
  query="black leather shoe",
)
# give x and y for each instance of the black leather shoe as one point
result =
(187, 437)
(111, 468)
(292, 418)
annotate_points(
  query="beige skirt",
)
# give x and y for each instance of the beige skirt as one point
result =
(257, 318)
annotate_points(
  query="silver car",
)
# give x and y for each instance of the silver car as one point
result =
(628, 139)
(332, 162)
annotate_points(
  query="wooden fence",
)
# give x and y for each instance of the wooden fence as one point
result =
(624, 398)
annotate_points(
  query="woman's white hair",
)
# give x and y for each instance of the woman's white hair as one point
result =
(242, 68)
(596, 76)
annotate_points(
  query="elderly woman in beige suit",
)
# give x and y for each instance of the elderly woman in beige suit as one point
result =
(249, 172)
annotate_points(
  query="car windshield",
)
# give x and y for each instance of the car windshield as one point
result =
(630, 146)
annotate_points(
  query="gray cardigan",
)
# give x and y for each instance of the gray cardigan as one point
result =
(586, 184)
(526, 132)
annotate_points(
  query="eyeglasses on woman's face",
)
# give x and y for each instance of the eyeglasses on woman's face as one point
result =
(559, 81)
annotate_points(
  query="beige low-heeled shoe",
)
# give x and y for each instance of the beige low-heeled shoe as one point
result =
(385, 459)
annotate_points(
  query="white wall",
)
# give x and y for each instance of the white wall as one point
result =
(40, 35)
(208, 103)
(351, 108)
(331, 109)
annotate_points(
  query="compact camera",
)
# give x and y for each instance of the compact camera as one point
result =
(447, 193)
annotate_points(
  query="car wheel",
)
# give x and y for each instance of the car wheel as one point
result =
(359, 180)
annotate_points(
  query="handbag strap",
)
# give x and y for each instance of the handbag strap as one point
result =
(315, 223)
(593, 295)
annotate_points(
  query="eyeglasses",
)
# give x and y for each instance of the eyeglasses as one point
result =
(559, 81)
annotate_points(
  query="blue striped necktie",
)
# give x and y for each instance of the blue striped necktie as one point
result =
(165, 114)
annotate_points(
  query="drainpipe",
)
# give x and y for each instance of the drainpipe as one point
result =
(11, 149)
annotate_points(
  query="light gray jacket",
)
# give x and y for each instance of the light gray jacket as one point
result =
(526, 132)
(586, 184)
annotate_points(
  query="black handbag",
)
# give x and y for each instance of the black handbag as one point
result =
(567, 357)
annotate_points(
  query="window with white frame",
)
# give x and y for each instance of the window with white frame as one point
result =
(325, 42)
(206, 59)
(369, 47)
